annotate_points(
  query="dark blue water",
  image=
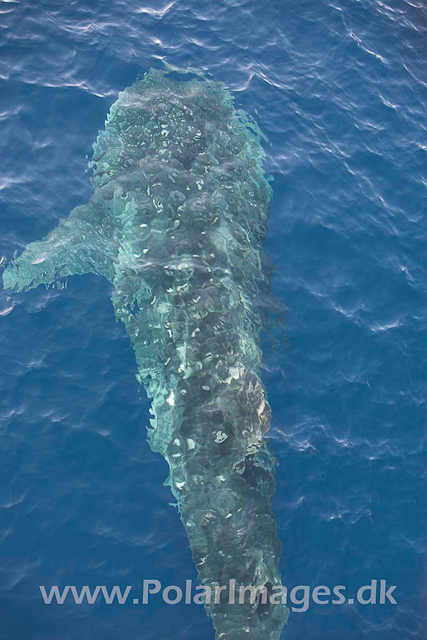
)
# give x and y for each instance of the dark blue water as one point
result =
(338, 87)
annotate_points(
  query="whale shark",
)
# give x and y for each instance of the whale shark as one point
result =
(177, 224)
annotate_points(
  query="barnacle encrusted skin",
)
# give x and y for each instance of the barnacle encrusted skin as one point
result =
(177, 223)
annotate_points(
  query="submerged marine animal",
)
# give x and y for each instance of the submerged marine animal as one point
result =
(176, 224)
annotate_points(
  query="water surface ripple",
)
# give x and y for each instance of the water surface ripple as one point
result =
(338, 87)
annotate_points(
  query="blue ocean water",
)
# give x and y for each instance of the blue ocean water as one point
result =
(338, 88)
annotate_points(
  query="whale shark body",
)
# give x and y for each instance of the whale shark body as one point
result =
(176, 223)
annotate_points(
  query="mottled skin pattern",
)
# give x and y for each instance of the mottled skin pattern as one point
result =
(176, 224)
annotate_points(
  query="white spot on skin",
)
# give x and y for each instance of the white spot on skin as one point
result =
(261, 407)
(171, 399)
(233, 374)
(41, 259)
(183, 265)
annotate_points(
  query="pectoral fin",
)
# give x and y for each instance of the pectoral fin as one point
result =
(75, 247)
